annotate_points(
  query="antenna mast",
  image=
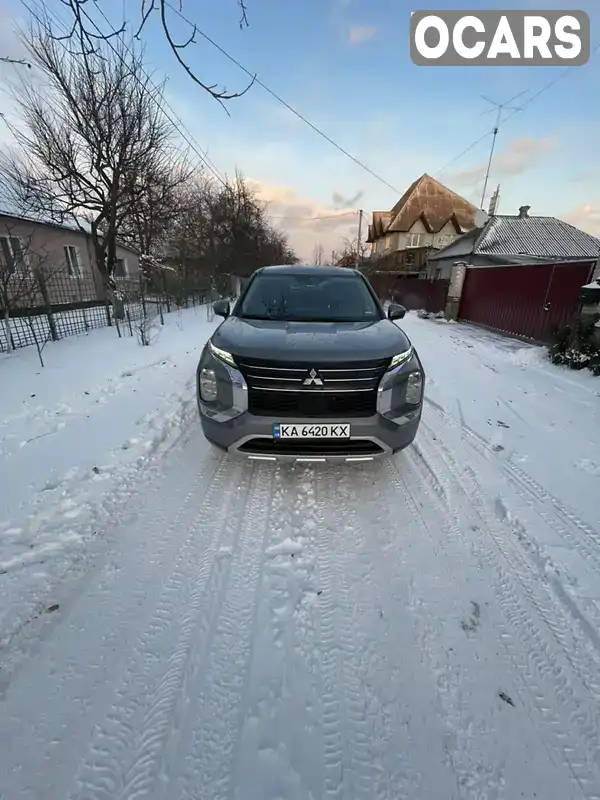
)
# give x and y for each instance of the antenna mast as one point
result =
(500, 107)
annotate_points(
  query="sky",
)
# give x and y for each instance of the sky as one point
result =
(344, 65)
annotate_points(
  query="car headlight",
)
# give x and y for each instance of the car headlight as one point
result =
(414, 388)
(401, 358)
(208, 385)
(222, 355)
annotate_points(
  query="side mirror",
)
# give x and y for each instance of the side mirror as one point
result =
(222, 308)
(396, 311)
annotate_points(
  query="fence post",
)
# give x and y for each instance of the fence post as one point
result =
(47, 305)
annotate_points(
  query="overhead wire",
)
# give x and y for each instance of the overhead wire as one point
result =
(176, 120)
(514, 111)
(280, 99)
(187, 136)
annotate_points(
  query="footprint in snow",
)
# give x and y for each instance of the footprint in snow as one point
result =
(508, 700)
(470, 625)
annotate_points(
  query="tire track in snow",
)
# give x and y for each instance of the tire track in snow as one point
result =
(280, 746)
(200, 596)
(89, 652)
(380, 587)
(564, 521)
(199, 763)
(336, 761)
(475, 777)
(123, 753)
(357, 650)
(576, 533)
(551, 679)
(358, 723)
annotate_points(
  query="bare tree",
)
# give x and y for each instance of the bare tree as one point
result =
(161, 197)
(224, 231)
(346, 256)
(21, 61)
(26, 274)
(93, 137)
(318, 254)
(86, 37)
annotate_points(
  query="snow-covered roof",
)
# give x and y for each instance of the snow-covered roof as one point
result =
(525, 239)
(542, 237)
(82, 226)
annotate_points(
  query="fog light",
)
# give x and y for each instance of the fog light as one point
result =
(208, 385)
(414, 388)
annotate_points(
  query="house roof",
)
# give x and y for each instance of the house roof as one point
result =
(541, 237)
(83, 230)
(514, 237)
(431, 202)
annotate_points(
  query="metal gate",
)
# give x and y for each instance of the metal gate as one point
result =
(528, 301)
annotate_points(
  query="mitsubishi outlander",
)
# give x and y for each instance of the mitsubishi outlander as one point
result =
(308, 367)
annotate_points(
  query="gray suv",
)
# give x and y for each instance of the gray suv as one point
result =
(307, 367)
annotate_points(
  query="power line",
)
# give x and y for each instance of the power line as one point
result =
(175, 120)
(520, 108)
(327, 216)
(188, 138)
(281, 100)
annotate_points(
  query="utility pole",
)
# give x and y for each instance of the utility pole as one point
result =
(500, 107)
(360, 216)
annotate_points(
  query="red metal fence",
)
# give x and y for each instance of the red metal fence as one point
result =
(528, 301)
(413, 293)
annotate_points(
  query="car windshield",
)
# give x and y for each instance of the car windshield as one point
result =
(309, 298)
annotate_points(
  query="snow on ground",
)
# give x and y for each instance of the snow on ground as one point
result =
(73, 437)
(425, 627)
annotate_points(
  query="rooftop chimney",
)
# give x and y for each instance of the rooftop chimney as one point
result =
(524, 212)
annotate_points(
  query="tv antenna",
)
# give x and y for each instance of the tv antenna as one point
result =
(500, 108)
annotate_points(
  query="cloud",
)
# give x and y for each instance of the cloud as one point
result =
(519, 156)
(346, 202)
(307, 221)
(585, 217)
(357, 34)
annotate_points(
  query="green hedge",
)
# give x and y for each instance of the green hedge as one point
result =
(577, 345)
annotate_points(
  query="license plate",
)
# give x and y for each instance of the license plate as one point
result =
(295, 431)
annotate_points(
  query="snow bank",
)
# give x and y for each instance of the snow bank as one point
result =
(544, 418)
(75, 438)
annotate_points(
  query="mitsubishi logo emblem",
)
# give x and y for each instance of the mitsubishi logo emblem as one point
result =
(313, 378)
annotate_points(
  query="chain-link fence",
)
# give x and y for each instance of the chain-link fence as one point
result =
(140, 305)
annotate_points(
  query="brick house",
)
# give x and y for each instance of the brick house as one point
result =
(428, 217)
(58, 256)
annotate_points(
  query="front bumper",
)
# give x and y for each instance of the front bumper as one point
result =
(228, 424)
(252, 437)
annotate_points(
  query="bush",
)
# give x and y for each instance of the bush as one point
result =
(577, 345)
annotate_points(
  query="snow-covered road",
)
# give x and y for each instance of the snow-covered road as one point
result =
(426, 627)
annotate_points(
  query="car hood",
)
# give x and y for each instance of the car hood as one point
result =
(279, 340)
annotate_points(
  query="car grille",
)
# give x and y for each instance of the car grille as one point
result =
(348, 390)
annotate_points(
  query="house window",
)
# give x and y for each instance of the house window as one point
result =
(445, 239)
(13, 253)
(414, 239)
(388, 241)
(120, 270)
(73, 261)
